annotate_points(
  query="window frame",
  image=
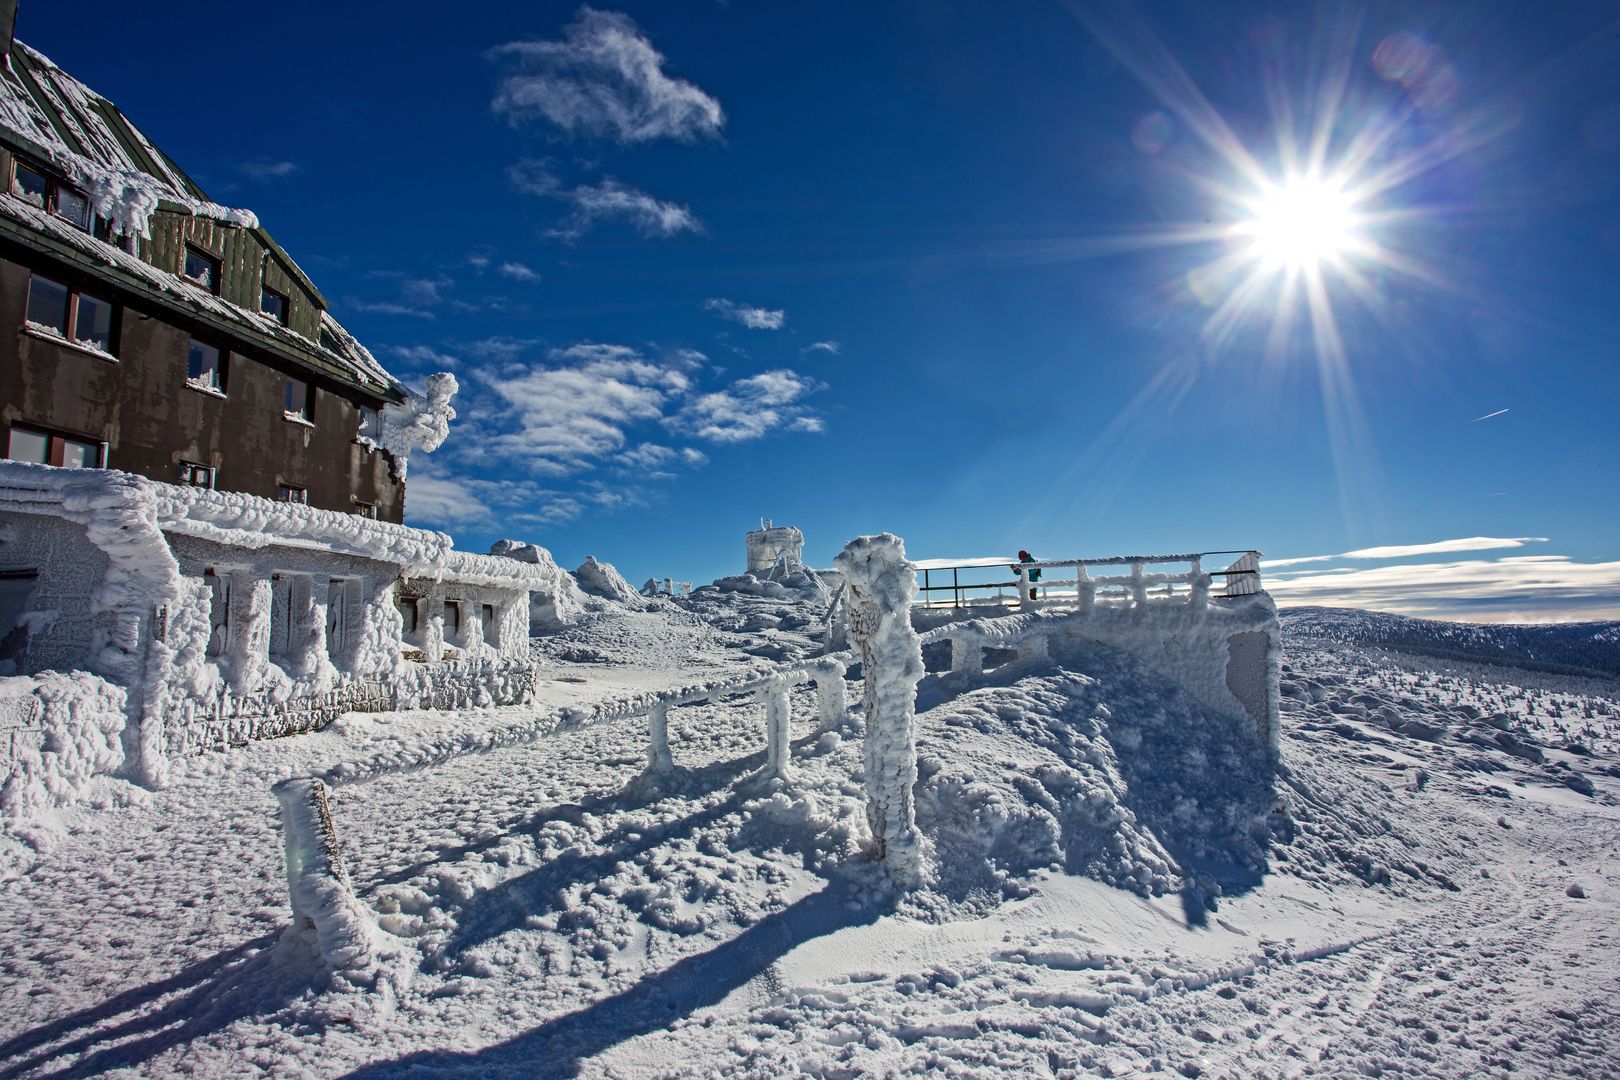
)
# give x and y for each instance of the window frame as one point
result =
(292, 493)
(219, 386)
(68, 331)
(216, 267)
(367, 510)
(51, 199)
(189, 471)
(56, 445)
(286, 303)
(306, 414)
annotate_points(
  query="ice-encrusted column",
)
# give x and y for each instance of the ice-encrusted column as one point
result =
(659, 760)
(834, 703)
(249, 631)
(778, 716)
(430, 616)
(879, 587)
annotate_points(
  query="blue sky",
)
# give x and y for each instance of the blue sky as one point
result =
(984, 276)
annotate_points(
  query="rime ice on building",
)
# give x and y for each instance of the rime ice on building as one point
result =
(775, 550)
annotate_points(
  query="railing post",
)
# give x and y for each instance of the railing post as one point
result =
(1085, 592)
(778, 715)
(834, 703)
(659, 759)
(1138, 586)
(1026, 602)
(326, 913)
(1200, 586)
(967, 654)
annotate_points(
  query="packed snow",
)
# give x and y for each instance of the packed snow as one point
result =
(1118, 881)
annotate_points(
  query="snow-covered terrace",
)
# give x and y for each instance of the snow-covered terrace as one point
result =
(979, 581)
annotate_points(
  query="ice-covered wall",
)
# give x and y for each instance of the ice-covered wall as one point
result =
(1227, 655)
(222, 613)
(559, 603)
(58, 731)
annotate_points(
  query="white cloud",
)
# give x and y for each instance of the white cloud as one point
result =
(1406, 551)
(755, 318)
(263, 169)
(439, 496)
(424, 356)
(647, 456)
(830, 347)
(1513, 587)
(519, 272)
(610, 200)
(604, 78)
(1488, 416)
(1444, 547)
(575, 409)
(694, 457)
(750, 408)
(533, 177)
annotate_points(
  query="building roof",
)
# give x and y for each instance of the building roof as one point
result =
(49, 115)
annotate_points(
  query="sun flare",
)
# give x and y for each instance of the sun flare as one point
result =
(1300, 224)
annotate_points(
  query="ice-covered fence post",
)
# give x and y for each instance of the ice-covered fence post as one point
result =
(1086, 591)
(1200, 586)
(879, 586)
(659, 759)
(1026, 595)
(778, 714)
(834, 704)
(967, 654)
(1139, 594)
(326, 913)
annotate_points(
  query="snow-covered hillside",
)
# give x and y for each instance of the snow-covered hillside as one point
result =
(1429, 886)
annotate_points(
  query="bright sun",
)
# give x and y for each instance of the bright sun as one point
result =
(1299, 224)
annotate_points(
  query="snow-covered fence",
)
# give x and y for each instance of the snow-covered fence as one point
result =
(325, 910)
(1188, 582)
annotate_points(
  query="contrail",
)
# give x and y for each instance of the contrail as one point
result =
(1487, 416)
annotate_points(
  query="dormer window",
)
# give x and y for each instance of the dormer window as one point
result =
(72, 206)
(30, 185)
(202, 269)
(370, 423)
(273, 304)
(299, 401)
(65, 201)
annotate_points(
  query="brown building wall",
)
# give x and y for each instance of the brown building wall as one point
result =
(151, 420)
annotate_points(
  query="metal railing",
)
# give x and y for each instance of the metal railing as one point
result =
(1034, 587)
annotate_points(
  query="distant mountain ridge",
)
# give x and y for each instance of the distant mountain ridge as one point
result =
(1586, 648)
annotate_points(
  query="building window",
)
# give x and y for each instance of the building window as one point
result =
(273, 304)
(202, 269)
(290, 494)
(30, 185)
(452, 619)
(408, 612)
(53, 448)
(197, 475)
(371, 423)
(48, 303)
(77, 316)
(299, 401)
(365, 509)
(65, 201)
(492, 630)
(205, 367)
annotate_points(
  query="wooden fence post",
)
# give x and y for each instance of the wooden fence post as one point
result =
(326, 913)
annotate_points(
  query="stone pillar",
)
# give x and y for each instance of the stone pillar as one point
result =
(879, 587)
(430, 627)
(249, 642)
